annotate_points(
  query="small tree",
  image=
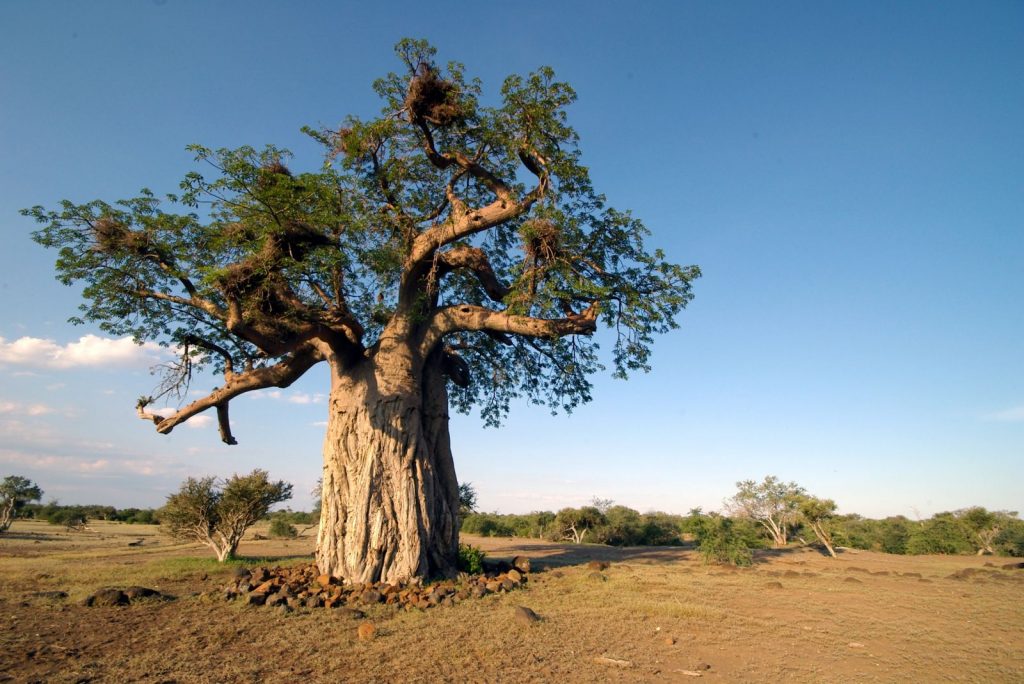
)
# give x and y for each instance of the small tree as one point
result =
(575, 523)
(15, 492)
(818, 513)
(985, 526)
(467, 499)
(774, 504)
(218, 517)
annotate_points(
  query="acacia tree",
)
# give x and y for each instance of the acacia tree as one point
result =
(15, 492)
(448, 253)
(985, 526)
(774, 504)
(217, 513)
(818, 513)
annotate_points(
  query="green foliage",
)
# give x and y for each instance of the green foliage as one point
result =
(722, 540)
(618, 526)
(71, 517)
(15, 492)
(322, 253)
(280, 527)
(471, 559)
(217, 513)
(774, 504)
(943, 533)
(467, 499)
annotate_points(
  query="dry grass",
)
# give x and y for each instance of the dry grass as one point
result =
(795, 616)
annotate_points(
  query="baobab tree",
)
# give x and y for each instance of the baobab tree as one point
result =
(447, 254)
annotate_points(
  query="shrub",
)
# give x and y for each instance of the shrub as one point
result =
(471, 559)
(721, 540)
(280, 527)
(217, 513)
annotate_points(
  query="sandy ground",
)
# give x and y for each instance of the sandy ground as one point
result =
(655, 614)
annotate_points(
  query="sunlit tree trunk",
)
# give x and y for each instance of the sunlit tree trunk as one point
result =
(389, 508)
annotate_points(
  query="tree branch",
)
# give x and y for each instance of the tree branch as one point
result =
(468, 317)
(474, 259)
(281, 374)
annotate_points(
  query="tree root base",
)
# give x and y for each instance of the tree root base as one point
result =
(303, 586)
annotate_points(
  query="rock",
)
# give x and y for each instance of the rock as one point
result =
(614, 662)
(515, 576)
(670, 641)
(1013, 566)
(855, 644)
(598, 565)
(106, 598)
(325, 581)
(852, 580)
(777, 585)
(526, 616)
(521, 563)
(507, 584)
(255, 599)
(350, 613)
(791, 573)
(284, 609)
(371, 596)
(597, 576)
(136, 592)
(366, 631)
(479, 591)
(493, 587)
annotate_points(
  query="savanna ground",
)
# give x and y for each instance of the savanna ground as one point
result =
(656, 614)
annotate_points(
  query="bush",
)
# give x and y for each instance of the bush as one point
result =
(280, 527)
(722, 540)
(471, 559)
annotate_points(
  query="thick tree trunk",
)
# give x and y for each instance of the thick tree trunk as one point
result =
(389, 508)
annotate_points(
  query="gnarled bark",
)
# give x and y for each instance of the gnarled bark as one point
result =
(389, 497)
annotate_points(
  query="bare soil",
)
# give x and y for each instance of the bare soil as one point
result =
(655, 614)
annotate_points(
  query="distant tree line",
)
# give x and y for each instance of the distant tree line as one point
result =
(760, 515)
(75, 515)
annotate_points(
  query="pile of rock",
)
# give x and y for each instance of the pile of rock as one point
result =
(305, 587)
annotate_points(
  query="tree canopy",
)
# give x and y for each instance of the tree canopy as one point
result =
(218, 512)
(458, 224)
(15, 492)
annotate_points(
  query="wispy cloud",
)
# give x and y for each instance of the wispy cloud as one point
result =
(90, 351)
(88, 465)
(1014, 414)
(14, 408)
(195, 422)
(291, 397)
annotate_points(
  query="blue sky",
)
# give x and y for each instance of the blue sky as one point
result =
(847, 175)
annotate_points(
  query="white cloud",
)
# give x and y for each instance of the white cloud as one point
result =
(90, 351)
(53, 462)
(14, 408)
(197, 422)
(1014, 414)
(293, 398)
